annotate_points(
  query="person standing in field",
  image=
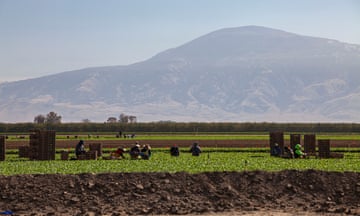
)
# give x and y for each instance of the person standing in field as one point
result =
(195, 149)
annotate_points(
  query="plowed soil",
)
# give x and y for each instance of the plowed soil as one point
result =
(221, 193)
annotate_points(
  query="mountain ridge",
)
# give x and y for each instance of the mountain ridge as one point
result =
(225, 75)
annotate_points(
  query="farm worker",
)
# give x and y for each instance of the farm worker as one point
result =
(135, 151)
(145, 152)
(118, 153)
(174, 150)
(80, 148)
(276, 151)
(288, 152)
(195, 149)
(298, 152)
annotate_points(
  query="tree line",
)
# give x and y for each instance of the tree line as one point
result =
(181, 127)
(54, 118)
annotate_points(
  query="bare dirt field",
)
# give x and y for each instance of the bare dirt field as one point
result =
(222, 193)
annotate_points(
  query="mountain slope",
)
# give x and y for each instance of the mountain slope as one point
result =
(247, 73)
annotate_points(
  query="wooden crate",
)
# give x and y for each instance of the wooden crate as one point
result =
(324, 148)
(96, 147)
(2, 148)
(309, 143)
(294, 139)
(91, 155)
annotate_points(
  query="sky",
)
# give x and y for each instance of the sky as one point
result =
(44, 37)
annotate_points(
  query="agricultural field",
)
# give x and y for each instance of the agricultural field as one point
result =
(221, 152)
(182, 136)
(215, 183)
(221, 181)
(158, 140)
(211, 160)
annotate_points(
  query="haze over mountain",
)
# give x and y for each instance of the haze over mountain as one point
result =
(247, 73)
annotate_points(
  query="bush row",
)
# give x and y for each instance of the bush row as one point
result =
(176, 127)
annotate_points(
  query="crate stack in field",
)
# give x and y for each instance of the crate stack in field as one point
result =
(2, 148)
(294, 139)
(96, 147)
(91, 155)
(324, 148)
(33, 146)
(310, 144)
(276, 137)
(42, 145)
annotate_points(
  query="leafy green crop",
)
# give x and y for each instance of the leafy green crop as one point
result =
(161, 161)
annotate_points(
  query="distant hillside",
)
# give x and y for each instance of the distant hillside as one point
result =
(247, 73)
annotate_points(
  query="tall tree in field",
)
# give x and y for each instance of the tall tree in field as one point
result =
(123, 118)
(53, 118)
(132, 119)
(39, 119)
(127, 118)
(111, 120)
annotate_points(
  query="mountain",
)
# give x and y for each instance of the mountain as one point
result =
(246, 73)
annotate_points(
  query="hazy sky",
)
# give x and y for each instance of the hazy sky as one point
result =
(41, 37)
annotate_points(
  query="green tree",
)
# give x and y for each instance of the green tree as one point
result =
(123, 118)
(39, 119)
(53, 118)
(111, 120)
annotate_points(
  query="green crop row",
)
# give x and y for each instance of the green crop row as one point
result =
(161, 161)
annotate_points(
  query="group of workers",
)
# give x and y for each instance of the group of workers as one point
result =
(195, 150)
(144, 152)
(140, 153)
(288, 152)
(137, 152)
